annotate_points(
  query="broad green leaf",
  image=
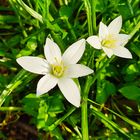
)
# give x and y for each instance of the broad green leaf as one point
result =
(133, 68)
(55, 103)
(42, 116)
(131, 92)
(65, 11)
(124, 9)
(101, 5)
(31, 104)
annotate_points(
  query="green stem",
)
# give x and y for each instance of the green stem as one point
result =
(100, 70)
(89, 82)
(19, 18)
(130, 7)
(59, 41)
(84, 119)
(11, 108)
(84, 109)
(93, 10)
(36, 9)
(55, 124)
(89, 16)
(70, 28)
(136, 28)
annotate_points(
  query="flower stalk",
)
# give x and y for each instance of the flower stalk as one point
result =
(85, 108)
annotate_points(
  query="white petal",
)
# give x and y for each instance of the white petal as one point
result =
(115, 26)
(46, 83)
(103, 31)
(52, 52)
(108, 51)
(70, 91)
(122, 52)
(74, 52)
(94, 42)
(78, 70)
(34, 64)
(122, 39)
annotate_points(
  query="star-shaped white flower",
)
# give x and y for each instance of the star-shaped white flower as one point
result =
(58, 69)
(110, 40)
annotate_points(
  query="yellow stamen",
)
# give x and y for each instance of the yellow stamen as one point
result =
(109, 42)
(58, 70)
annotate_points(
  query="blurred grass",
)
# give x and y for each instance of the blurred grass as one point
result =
(24, 26)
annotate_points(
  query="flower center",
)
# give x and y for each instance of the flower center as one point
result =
(109, 42)
(58, 70)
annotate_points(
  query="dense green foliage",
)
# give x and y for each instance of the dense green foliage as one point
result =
(113, 91)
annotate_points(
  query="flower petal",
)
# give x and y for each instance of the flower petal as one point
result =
(122, 39)
(52, 52)
(77, 70)
(34, 64)
(74, 52)
(122, 52)
(108, 51)
(94, 42)
(46, 83)
(70, 90)
(103, 31)
(115, 26)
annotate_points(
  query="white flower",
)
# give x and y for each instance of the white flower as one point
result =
(110, 40)
(58, 69)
